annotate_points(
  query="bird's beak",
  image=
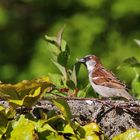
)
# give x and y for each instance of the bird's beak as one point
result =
(82, 60)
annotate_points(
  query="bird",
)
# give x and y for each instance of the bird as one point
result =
(103, 81)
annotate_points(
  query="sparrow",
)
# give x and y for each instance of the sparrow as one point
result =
(104, 82)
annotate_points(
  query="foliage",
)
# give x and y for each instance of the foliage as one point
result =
(101, 27)
(25, 95)
(130, 134)
(134, 64)
(60, 57)
(105, 28)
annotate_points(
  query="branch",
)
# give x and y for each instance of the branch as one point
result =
(114, 117)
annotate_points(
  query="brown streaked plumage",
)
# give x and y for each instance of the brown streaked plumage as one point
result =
(103, 81)
(106, 78)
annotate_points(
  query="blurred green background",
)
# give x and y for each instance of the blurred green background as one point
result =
(106, 28)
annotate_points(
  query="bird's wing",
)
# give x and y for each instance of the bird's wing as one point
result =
(106, 78)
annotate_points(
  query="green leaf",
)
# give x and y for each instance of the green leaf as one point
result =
(59, 36)
(2, 108)
(65, 47)
(53, 136)
(62, 69)
(71, 84)
(45, 131)
(31, 99)
(68, 129)
(42, 126)
(59, 48)
(93, 131)
(64, 55)
(58, 122)
(10, 112)
(23, 129)
(78, 129)
(57, 41)
(136, 85)
(3, 121)
(16, 103)
(77, 67)
(55, 119)
(56, 79)
(8, 91)
(73, 76)
(81, 94)
(20, 90)
(62, 126)
(52, 47)
(130, 62)
(30, 91)
(51, 39)
(130, 134)
(63, 58)
(63, 52)
(28, 100)
(64, 107)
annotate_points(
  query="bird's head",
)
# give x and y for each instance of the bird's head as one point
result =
(90, 61)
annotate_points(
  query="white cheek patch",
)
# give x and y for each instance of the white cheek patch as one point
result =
(90, 65)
